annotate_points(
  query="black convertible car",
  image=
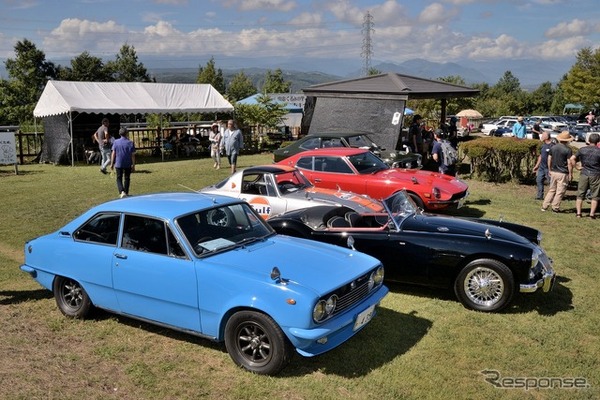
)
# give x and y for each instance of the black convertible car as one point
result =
(485, 261)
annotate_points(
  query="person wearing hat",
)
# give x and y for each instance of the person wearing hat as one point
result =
(123, 160)
(561, 171)
(214, 138)
(589, 159)
(519, 129)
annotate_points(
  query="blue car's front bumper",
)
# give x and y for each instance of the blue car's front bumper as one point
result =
(332, 333)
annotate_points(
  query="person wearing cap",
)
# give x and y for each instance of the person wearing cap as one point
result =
(588, 158)
(561, 171)
(214, 138)
(123, 160)
(519, 129)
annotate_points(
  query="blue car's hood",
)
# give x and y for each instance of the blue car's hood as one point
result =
(311, 264)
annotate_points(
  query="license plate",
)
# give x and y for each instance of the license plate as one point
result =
(364, 317)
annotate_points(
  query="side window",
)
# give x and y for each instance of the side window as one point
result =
(337, 165)
(102, 228)
(311, 144)
(305, 163)
(144, 234)
(175, 249)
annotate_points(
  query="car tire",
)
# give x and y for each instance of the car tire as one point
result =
(492, 132)
(255, 342)
(71, 298)
(485, 285)
(415, 197)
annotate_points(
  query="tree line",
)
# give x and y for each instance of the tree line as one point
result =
(29, 71)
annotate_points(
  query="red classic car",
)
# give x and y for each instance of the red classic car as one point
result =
(359, 171)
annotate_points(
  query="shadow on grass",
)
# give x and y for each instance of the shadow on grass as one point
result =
(560, 299)
(356, 357)
(8, 297)
(390, 334)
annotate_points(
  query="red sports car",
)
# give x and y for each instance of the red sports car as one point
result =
(360, 171)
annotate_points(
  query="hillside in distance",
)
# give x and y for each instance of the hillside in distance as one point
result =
(299, 79)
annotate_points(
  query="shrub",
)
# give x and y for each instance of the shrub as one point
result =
(500, 159)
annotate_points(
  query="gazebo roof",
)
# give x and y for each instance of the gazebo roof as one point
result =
(391, 85)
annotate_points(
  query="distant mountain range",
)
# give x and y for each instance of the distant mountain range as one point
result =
(303, 72)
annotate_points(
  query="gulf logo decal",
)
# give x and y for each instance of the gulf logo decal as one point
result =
(262, 206)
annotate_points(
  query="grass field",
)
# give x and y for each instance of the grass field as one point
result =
(422, 344)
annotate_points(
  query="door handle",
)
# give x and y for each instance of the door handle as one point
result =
(317, 179)
(121, 256)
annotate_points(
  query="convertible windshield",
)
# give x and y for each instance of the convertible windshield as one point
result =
(222, 228)
(361, 141)
(399, 206)
(367, 163)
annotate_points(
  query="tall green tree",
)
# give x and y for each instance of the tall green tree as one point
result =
(85, 68)
(540, 100)
(275, 83)
(210, 74)
(582, 82)
(264, 115)
(126, 68)
(28, 73)
(240, 87)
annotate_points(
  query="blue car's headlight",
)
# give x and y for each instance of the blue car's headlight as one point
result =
(376, 277)
(324, 308)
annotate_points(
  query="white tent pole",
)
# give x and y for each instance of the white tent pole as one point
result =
(72, 144)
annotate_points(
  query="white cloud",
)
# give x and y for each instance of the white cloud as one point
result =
(435, 13)
(575, 27)
(390, 12)
(560, 49)
(307, 19)
(272, 5)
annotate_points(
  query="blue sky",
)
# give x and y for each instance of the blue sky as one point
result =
(443, 30)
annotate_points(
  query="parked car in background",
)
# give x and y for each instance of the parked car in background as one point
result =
(275, 189)
(208, 265)
(359, 171)
(342, 138)
(491, 128)
(581, 131)
(554, 123)
(486, 262)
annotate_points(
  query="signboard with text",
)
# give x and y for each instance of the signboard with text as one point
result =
(8, 149)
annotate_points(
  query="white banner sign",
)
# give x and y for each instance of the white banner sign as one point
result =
(8, 149)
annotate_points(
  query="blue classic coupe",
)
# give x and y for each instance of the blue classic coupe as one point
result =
(209, 266)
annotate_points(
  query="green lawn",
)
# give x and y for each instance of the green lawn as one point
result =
(422, 344)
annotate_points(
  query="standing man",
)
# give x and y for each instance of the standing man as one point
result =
(536, 130)
(214, 138)
(519, 129)
(233, 142)
(123, 159)
(541, 166)
(437, 153)
(589, 157)
(415, 136)
(561, 171)
(104, 143)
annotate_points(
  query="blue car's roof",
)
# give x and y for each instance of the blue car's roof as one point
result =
(165, 205)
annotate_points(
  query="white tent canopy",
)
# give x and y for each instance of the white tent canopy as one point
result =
(60, 97)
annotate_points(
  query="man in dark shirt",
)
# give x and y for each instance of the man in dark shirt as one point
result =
(589, 158)
(561, 171)
(123, 159)
(541, 166)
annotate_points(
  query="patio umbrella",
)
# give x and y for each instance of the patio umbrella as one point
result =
(472, 114)
(408, 111)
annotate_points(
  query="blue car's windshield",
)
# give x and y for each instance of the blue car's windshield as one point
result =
(221, 228)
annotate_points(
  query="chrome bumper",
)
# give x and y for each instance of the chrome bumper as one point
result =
(546, 283)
